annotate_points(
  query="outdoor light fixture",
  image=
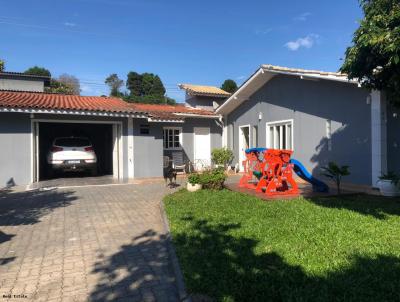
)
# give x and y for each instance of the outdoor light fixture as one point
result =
(368, 100)
(260, 116)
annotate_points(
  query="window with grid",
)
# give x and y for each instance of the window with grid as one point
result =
(280, 135)
(172, 138)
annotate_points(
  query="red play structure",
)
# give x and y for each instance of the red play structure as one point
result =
(269, 171)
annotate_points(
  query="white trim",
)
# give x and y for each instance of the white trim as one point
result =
(197, 115)
(235, 97)
(72, 112)
(180, 138)
(194, 144)
(131, 169)
(156, 120)
(237, 92)
(378, 137)
(278, 123)
(241, 156)
(225, 132)
(35, 131)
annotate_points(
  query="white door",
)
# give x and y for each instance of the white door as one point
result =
(202, 148)
(244, 143)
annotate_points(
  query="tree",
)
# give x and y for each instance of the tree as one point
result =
(229, 86)
(115, 84)
(374, 57)
(157, 87)
(70, 81)
(58, 87)
(1, 65)
(146, 88)
(39, 71)
(134, 83)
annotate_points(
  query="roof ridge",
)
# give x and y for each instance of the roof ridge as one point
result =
(301, 70)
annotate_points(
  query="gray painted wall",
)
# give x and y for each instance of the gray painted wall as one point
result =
(393, 138)
(149, 150)
(310, 104)
(21, 85)
(203, 102)
(15, 146)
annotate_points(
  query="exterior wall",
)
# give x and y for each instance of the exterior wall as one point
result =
(203, 102)
(393, 139)
(149, 149)
(15, 146)
(21, 85)
(310, 104)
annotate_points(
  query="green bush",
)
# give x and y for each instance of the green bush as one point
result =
(221, 156)
(392, 176)
(213, 179)
(194, 178)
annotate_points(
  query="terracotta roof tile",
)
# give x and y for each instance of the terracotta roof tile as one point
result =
(204, 90)
(34, 100)
(12, 99)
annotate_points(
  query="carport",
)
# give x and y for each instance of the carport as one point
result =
(104, 135)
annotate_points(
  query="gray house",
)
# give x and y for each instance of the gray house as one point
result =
(321, 116)
(131, 140)
(17, 81)
(204, 97)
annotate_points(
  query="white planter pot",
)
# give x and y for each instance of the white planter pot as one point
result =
(387, 188)
(193, 188)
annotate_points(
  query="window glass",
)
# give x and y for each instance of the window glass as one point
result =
(72, 142)
(172, 138)
(279, 135)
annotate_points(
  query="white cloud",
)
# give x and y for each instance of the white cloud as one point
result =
(302, 17)
(242, 77)
(263, 31)
(306, 42)
(69, 24)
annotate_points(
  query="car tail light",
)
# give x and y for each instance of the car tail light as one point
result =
(89, 149)
(56, 149)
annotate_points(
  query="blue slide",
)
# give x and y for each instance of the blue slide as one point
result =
(302, 172)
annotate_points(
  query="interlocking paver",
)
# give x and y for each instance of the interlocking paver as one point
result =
(85, 244)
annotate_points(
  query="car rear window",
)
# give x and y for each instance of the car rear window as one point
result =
(72, 142)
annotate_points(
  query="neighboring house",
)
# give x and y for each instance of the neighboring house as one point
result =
(321, 116)
(17, 81)
(204, 97)
(130, 139)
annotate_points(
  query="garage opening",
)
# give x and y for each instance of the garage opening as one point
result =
(103, 137)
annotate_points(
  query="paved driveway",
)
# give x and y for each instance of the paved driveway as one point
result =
(102, 243)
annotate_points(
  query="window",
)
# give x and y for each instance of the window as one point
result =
(172, 138)
(329, 134)
(280, 135)
(144, 129)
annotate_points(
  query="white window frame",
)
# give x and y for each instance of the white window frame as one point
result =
(180, 138)
(279, 123)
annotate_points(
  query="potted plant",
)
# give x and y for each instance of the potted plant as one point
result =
(194, 182)
(388, 184)
(221, 157)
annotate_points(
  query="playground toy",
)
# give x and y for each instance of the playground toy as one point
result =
(271, 171)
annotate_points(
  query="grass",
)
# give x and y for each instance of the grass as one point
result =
(235, 247)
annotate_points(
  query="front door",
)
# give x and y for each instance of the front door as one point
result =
(202, 148)
(244, 143)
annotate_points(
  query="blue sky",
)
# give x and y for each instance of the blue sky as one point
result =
(198, 42)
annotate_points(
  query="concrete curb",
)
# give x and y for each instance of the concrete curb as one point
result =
(183, 296)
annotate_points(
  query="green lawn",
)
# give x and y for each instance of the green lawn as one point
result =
(234, 247)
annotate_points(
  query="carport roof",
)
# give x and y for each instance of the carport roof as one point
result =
(45, 101)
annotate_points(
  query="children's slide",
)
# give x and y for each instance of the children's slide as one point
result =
(302, 172)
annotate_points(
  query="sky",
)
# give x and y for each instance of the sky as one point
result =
(196, 42)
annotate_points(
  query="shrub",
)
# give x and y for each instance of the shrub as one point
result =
(336, 172)
(222, 156)
(213, 179)
(194, 178)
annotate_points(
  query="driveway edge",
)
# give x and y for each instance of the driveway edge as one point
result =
(180, 284)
